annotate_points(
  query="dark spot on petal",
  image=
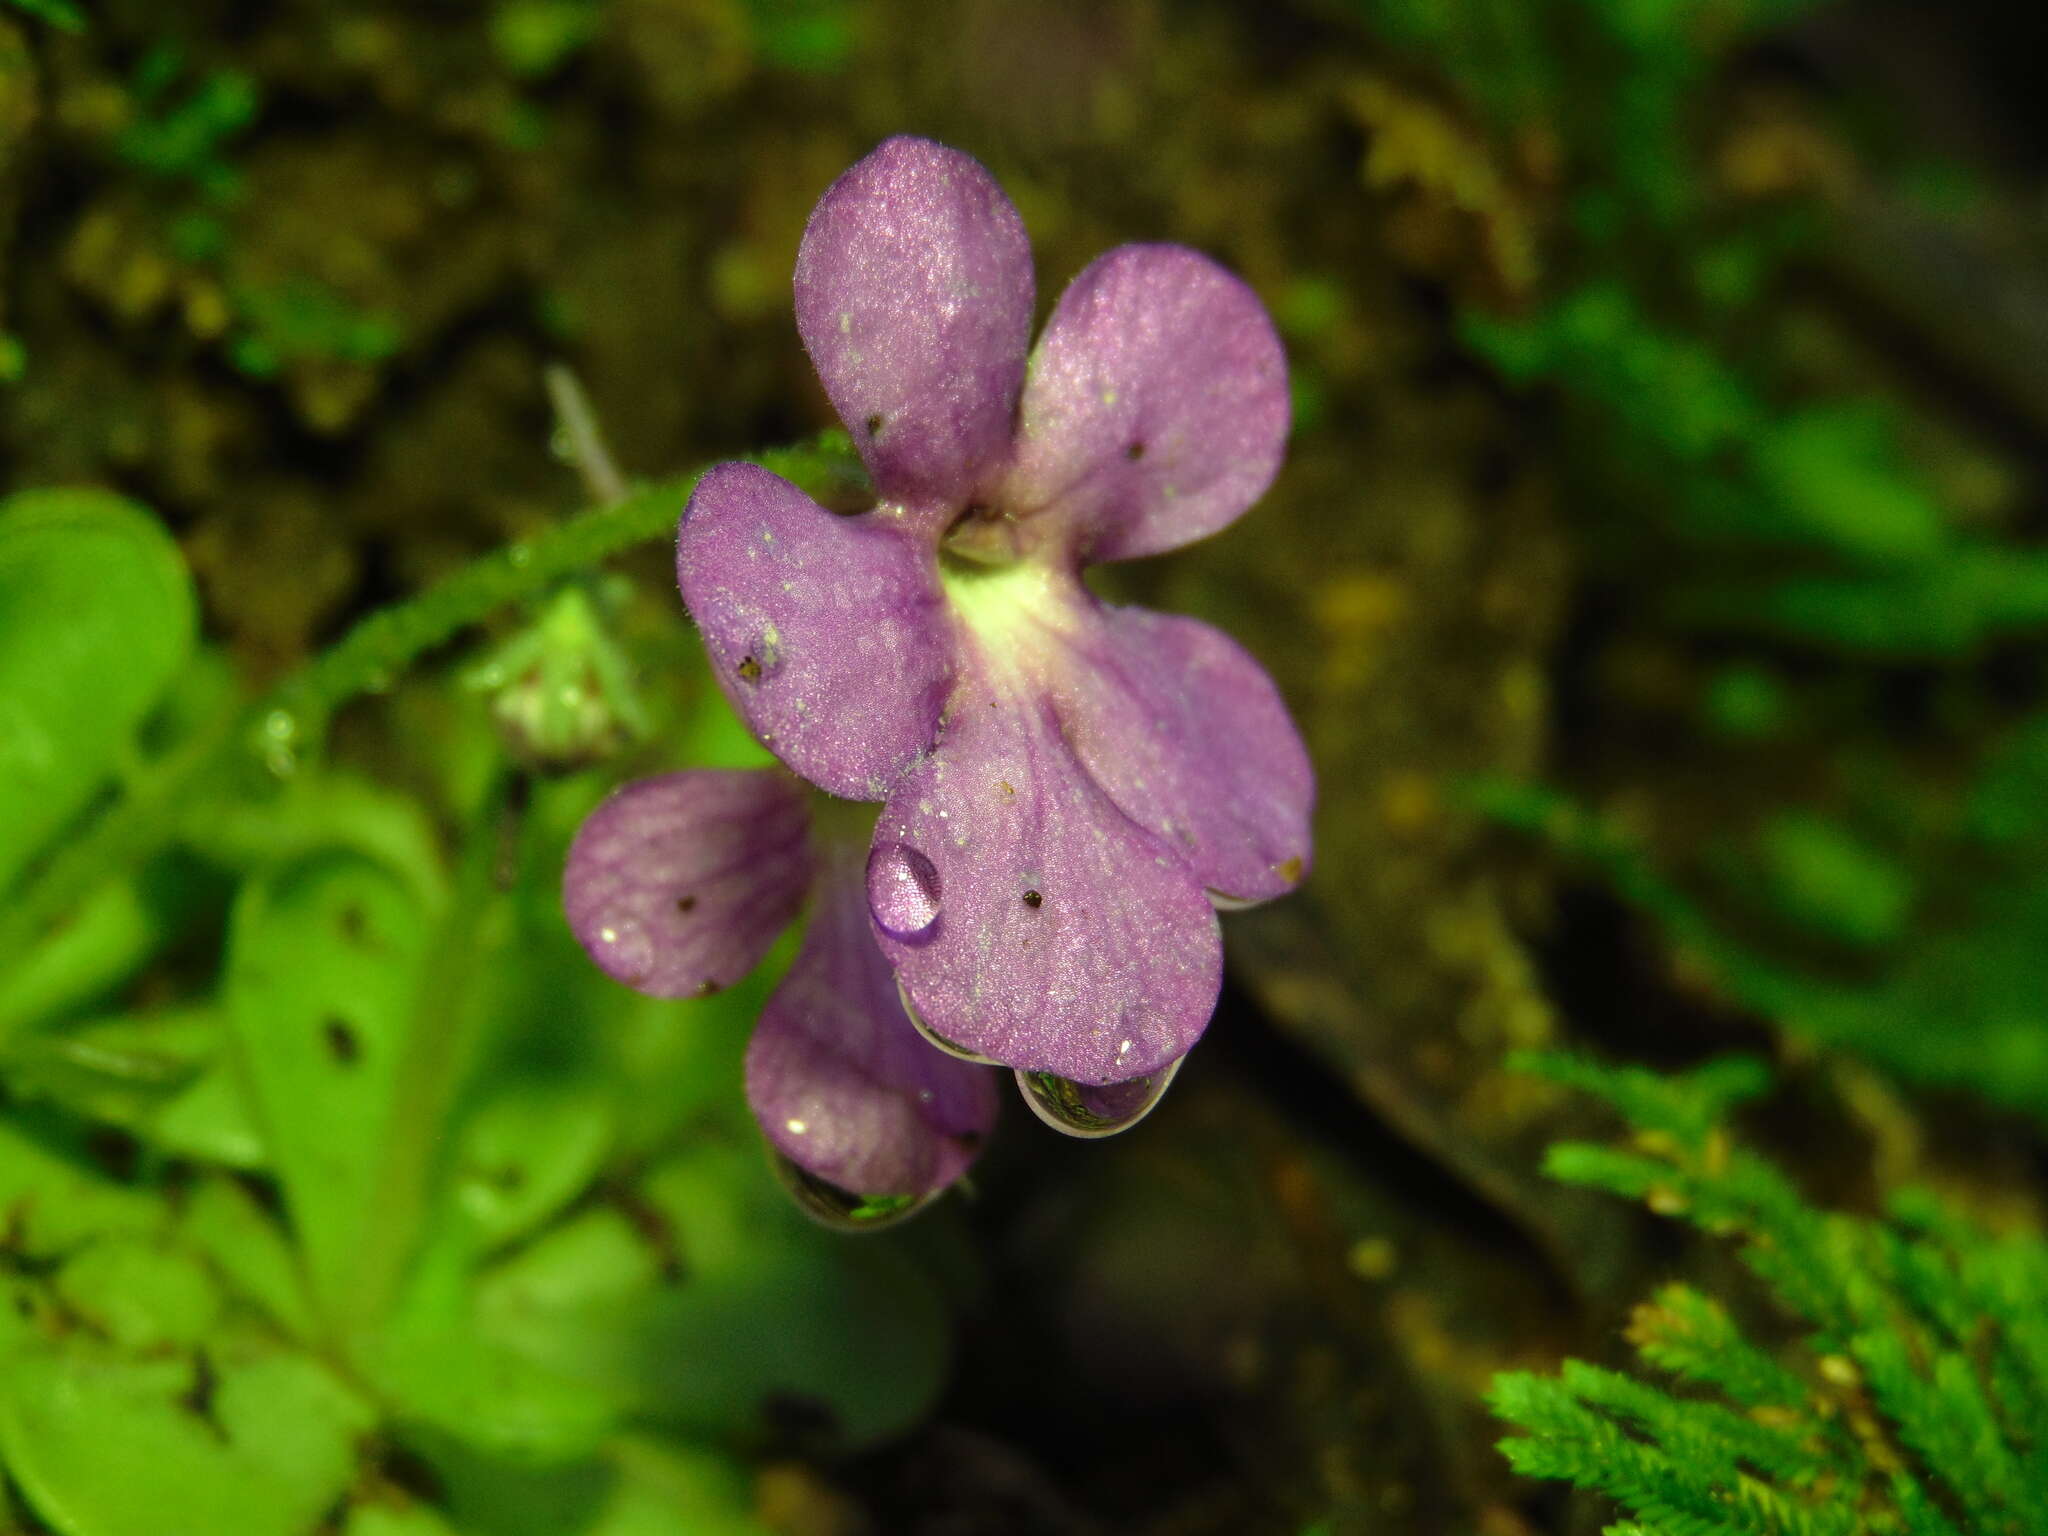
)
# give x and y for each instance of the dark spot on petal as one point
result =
(749, 670)
(342, 1043)
(1033, 899)
(705, 988)
(1009, 790)
(874, 424)
(686, 903)
(1289, 871)
(1134, 452)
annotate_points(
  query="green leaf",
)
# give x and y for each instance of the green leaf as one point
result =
(327, 956)
(96, 618)
(1822, 877)
(209, 1122)
(388, 1520)
(708, 1263)
(664, 1489)
(1829, 468)
(52, 1194)
(221, 1221)
(322, 813)
(635, 1486)
(61, 14)
(107, 939)
(139, 1294)
(527, 1152)
(118, 1070)
(534, 38)
(252, 1440)
(441, 1368)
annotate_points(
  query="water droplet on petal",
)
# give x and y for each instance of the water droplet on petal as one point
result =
(1083, 1109)
(624, 950)
(932, 1037)
(843, 1210)
(903, 890)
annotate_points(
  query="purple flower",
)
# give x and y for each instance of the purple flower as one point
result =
(678, 885)
(1071, 788)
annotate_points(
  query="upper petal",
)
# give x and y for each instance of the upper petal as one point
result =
(1067, 938)
(913, 297)
(1156, 409)
(826, 632)
(677, 885)
(1188, 735)
(841, 1083)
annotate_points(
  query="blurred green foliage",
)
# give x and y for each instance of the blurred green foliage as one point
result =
(181, 131)
(1915, 1398)
(100, 619)
(303, 320)
(535, 37)
(1959, 1004)
(1773, 533)
(58, 13)
(398, 1213)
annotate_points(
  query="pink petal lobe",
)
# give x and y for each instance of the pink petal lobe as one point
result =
(827, 633)
(1068, 939)
(1156, 410)
(1188, 735)
(839, 1080)
(677, 885)
(913, 297)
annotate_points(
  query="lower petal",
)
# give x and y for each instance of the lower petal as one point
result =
(677, 885)
(841, 1083)
(826, 632)
(1067, 939)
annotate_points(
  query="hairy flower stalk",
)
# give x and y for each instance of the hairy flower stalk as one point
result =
(1069, 789)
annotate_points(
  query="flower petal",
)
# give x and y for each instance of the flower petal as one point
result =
(1156, 409)
(827, 633)
(1068, 939)
(1188, 735)
(677, 885)
(913, 297)
(841, 1083)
